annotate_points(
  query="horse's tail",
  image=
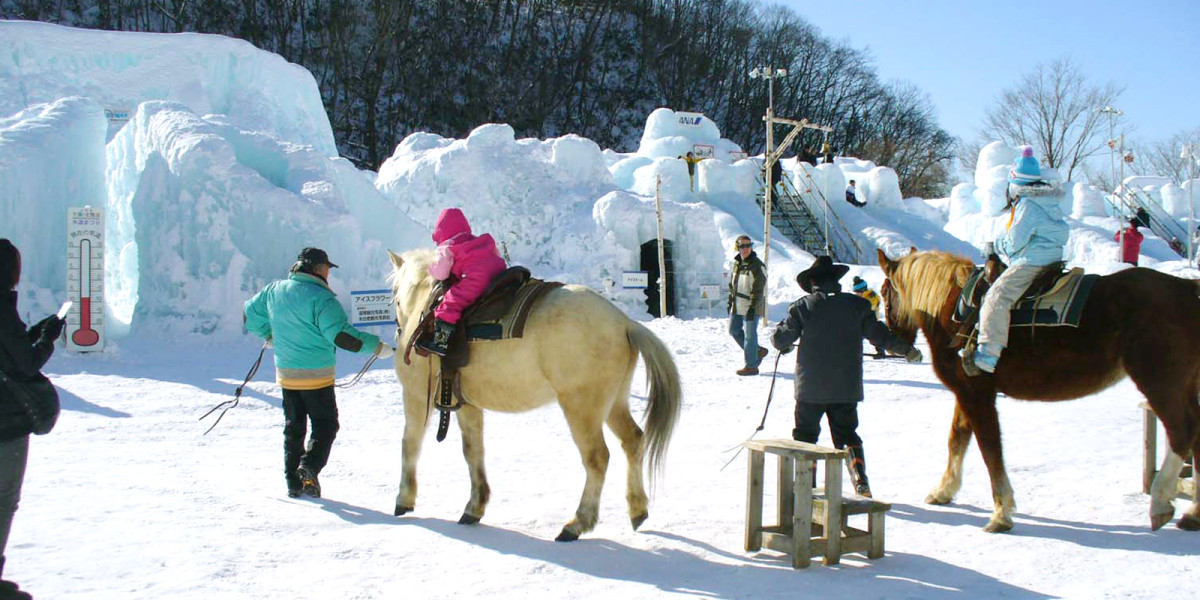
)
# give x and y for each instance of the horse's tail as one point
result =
(665, 394)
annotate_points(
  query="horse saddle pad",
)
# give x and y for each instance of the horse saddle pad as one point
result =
(1050, 300)
(504, 308)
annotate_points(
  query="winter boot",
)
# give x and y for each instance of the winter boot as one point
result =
(295, 486)
(308, 479)
(439, 341)
(858, 464)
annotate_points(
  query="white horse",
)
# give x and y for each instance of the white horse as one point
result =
(577, 349)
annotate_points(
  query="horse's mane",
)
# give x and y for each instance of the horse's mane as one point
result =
(924, 280)
(415, 261)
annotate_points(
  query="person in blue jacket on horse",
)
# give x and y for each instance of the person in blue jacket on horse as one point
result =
(304, 321)
(1034, 239)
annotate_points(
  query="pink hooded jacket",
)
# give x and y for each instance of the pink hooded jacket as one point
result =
(474, 260)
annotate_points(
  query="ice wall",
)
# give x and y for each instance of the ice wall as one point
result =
(51, 158)
(257, 90)
(202, 214)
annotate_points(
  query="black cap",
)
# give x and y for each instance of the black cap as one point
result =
(314, 256)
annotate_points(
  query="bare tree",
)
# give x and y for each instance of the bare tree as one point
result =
(1163, 157)
(1054, 109)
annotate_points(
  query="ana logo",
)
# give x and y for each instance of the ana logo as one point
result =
(689, 120)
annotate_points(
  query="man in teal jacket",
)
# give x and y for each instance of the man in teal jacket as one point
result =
(302, 317)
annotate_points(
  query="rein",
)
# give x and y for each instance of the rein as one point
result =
(237, 394)
(761, 424)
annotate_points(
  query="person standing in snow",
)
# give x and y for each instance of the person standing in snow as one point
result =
(473, 260)
(852, 195)
(746, 302)
(1034, 239)
(1131, 242)
(864, 291)
(691, 160)
(830, 326)
(23, 352)
(304, 321)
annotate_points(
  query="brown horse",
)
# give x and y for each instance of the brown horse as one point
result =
(579, 350)
(1137, 322)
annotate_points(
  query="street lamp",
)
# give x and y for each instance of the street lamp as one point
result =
(1189, 152)
(770, 74)
(1112, 142)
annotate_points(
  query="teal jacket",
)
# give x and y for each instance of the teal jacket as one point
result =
(306, 323)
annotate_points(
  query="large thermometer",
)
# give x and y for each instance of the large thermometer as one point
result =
(85, 278)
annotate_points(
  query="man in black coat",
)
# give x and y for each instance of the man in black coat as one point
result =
(22, 354)
(830, 326)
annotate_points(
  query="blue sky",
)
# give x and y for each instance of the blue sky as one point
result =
(964, 53)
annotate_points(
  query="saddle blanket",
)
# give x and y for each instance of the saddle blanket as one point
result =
(1061, 305)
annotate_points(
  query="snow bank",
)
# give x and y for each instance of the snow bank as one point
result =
(201, 214)
(670, 135)
(256, 89)
(51, 158)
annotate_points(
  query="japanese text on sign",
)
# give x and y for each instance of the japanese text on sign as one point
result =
(371, 307)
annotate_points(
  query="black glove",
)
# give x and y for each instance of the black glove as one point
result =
(52, 327)
(35, 331)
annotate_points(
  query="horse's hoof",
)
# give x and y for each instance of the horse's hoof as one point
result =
(466, 519)
(1188, 523)
(400, 510)
(936, 499)
(566, 536)
(997, 527)
(638, 520)
(1160, 519)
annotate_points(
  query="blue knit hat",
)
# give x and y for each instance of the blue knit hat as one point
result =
(859, 284)
(1026, 168)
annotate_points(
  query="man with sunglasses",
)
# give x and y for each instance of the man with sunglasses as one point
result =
(747, 282)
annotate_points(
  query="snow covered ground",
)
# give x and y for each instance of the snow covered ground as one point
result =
(211, 187)
(126, 498)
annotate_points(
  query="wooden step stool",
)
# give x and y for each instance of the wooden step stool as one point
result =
(821, 517)
(1187, 483)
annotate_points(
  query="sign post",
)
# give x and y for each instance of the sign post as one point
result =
(708, 291)
(85, 279)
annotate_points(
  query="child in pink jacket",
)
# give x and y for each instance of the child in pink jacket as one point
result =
(474, 260)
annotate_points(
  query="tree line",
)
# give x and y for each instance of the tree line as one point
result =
(597, 68)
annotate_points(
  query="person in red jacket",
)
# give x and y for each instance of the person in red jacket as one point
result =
(474, 260)
(1131, 242)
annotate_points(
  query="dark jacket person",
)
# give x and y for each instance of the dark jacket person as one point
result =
(830, 326)
(23, 352)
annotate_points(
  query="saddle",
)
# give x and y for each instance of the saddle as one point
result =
(1054, 299)
(500, 313)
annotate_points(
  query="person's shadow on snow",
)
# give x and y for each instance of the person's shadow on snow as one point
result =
(736, 575)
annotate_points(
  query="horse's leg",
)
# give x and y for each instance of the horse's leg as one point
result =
(470, 421)
(1160, 382)
(416, 418)
(960, 438)
(627, 430)
(582, 410)
(980, 411)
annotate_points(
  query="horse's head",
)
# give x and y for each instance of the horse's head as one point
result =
(917, 288)
(411, 283)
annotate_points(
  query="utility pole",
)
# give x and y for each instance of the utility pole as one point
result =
(662, 261)
(1189, 152)
(1112, 143)
(770, 75)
